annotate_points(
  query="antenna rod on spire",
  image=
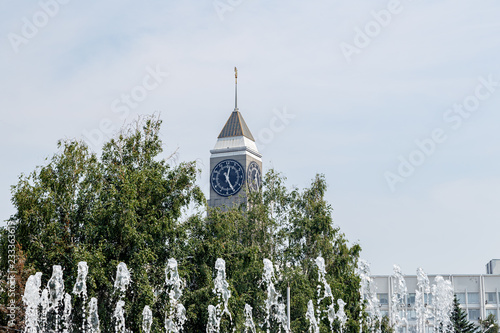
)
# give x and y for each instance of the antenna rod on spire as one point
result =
(235, 88)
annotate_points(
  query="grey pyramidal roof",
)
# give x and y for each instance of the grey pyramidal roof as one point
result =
(235, 126)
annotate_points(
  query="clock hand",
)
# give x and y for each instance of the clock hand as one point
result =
(226, 174)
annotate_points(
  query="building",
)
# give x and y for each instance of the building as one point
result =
(493, 267)
(479, 295)
(235, 161)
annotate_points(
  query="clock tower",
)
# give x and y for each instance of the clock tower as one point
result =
(235, 162)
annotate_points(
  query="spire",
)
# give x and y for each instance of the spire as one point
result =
(235, 88)
(236, 126)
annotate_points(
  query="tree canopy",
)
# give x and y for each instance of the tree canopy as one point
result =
(127, 206)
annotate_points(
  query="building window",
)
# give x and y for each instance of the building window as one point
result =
(411, 299)
(383, 299)
(412, 315)
(472, 298)
(384, 314)
(491, 311)
(428, 299)
(491, 298)
(474, 314)
(460, 298)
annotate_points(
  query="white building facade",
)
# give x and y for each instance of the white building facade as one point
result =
(479, 295)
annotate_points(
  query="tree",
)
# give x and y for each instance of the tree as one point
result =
(385, 325)
(13, 282)
(459, 320)
(291, 228)
(489, 325)
(125, 206)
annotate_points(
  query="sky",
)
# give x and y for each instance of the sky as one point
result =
(395, 102)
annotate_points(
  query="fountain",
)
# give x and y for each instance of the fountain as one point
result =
(341, 315)
(119, 317)
(421, 297)
(313, 321)
(323, 284)
(398, 313)
(213, 324)
(442, 296)
(272, 304)
(147, 319)
(176, 317)
(122, 281)
(80, 289)
(67, 313)
(55, 288)
(367, 291)
(44, 303)
(221, 289)
(31, 299)
(50, 309)
(93, 317)
(324, 291)
(249, 324)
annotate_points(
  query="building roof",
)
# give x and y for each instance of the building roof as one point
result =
(236, 126)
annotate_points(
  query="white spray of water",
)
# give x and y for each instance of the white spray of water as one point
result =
(221, 289)
(313, 321)
(368, 293)
(213, 324)
(320, 262)
(331, 314)
(55, 288)
(398, 307)
(176, 317)
(119, 316)
(327, 293)
(44, 302)
(67, 313)
(147, 319)
(272, 301)
(341, 315)
(249, 324)
(442, 295)
(80, 288)
(93, 318)
(122, 280)
(221, 286)
(421, 296)
(31, 300)
(281, 317)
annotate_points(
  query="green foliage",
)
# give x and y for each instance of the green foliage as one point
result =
(127, 205)
(459, 321)
(291, 228)
(123, 207)
(385, 325)
(489, 325)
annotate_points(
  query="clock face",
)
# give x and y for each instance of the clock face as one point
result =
(227, 178)
(254, 177)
